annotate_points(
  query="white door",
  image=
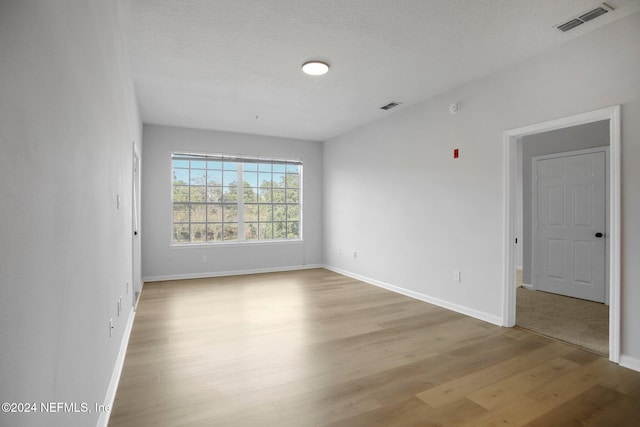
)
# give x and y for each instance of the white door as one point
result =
(570, 224)
(137, 280)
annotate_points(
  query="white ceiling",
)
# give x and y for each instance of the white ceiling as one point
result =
(234, 65)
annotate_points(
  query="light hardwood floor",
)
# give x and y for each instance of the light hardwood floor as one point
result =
(314, 348)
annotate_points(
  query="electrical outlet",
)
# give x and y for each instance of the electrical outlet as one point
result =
(456, 276)
(204, 258)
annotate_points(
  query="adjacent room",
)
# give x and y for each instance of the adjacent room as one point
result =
(334, 213)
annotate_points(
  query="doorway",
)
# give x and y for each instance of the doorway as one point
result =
(512, 140)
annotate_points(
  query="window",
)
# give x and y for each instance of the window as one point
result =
(219, 199)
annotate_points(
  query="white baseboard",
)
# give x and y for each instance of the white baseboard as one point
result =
(467, 311)
(228, 273)
(103, 420)
(630, 362)
(527, 286)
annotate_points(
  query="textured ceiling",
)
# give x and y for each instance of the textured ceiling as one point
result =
(234, 65)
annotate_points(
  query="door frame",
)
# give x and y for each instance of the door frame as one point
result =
(510, 140)
(534, 208)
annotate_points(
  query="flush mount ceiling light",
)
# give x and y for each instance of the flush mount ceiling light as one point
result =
(315, 68)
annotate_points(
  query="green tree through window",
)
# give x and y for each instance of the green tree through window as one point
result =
(229, 199)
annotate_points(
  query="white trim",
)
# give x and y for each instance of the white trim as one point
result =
(243, 243)
(467, 311)
(615, 242)
(509, 175)
(205, 275)
(528, 286)
(630, 362)
(103, 420)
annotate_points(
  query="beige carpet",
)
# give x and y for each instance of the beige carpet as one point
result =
(579, 322)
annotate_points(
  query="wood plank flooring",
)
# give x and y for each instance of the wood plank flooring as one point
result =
(314, 348)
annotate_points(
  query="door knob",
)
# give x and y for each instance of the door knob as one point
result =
(599, 235)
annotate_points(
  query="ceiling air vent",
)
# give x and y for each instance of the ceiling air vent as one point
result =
(593, 14)
(570, 25)
(390, 105)
(585, 17)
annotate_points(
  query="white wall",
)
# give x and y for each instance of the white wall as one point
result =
(162, 261)
(394, 193)
(573, 138)
(67, 122)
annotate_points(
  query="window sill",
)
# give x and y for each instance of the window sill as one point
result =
(234, 244)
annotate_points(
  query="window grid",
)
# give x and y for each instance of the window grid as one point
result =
(224, 201)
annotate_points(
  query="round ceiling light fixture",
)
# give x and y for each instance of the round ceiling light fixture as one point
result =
(315, 68)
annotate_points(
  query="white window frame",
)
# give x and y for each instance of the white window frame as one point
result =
(241, 160)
